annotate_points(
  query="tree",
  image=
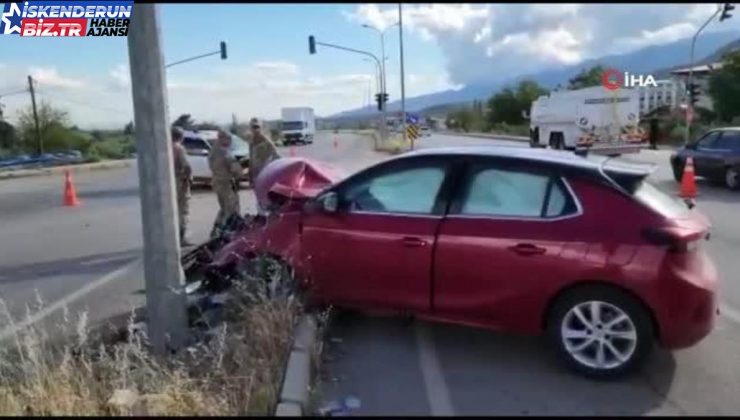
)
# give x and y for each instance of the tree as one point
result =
(507, 105)
(8, 137)
(207, 126)
(587, 78)
(128, 129)
(184, 121)
(724, 88)
(49, 118)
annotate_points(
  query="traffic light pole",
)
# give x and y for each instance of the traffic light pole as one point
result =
(690, 83)
(312, 45)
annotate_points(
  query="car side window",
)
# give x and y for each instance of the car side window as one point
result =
(192, 144)
(709, 141)
(411, 190)
(730, 140)
(512, 193)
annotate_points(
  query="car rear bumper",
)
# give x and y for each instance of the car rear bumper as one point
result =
(690, 306)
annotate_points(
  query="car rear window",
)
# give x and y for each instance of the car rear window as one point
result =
(659, 201)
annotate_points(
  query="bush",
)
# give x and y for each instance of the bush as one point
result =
(115, 147)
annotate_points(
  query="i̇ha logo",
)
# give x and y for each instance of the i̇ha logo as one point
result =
(613, 79)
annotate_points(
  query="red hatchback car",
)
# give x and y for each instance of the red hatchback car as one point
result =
(581, 248)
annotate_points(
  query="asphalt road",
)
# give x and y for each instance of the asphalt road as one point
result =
(401, 367)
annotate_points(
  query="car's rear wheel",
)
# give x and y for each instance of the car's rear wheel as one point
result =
(732, 178)
(600, 332)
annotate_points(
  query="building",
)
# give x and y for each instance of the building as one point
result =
(666, 93)
(701, 79)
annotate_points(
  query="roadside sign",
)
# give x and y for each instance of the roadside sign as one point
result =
(412, 119)
(412, 132)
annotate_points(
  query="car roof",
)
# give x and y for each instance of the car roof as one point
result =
(589, 163)
(725, 129)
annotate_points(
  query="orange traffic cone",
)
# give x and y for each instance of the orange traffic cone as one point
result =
(292, 152)
(70, 194)
(688, 181)
(335, 143)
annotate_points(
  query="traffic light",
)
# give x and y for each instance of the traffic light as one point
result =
(693, 94)
(385, 97)
(728, 7)
(311, 45)
(378, 100)
(223, 50)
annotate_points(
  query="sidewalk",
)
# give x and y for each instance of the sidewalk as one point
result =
(23, 173)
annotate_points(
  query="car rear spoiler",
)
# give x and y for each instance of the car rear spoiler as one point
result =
(624, 175)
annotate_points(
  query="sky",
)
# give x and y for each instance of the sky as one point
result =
(446, 46)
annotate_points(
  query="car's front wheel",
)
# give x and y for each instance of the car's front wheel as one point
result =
(600, 332)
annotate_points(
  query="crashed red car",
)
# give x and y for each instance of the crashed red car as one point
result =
(581, 248)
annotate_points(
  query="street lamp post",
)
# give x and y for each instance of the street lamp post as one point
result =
(377, 72)
(690, 82)
(403, 87)
(384, 86)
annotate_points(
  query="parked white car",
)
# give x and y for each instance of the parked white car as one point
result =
(198, 146)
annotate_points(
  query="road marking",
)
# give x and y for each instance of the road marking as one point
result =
(438, 394)
(730, 313)
(63, 302)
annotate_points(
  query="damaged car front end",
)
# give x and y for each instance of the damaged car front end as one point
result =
(262, 248)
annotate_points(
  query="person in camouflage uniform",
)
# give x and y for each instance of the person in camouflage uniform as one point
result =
(225, 180)
(183, 180)
(261, 150)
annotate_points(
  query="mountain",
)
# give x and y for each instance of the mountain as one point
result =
(666, 57)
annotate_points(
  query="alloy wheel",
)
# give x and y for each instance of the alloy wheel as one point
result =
(599, 335)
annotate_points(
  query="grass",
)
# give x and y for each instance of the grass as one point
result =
(237, 372)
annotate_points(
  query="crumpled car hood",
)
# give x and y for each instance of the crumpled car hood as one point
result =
(294, 178)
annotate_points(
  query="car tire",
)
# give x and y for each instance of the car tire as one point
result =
(677, 172)
(732, 178)
(603, 351)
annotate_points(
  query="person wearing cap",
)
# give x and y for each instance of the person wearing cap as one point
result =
(225, 180)
(183, 180)
(261, 150)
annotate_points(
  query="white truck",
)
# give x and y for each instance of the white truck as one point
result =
(592, 118)
(298, 125)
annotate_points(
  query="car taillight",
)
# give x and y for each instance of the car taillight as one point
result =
(675, 242)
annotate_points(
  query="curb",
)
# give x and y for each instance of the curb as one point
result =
(294, 393)
(85, 167)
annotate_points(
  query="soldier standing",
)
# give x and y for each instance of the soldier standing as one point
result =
(261, 150)
(183, 174)
(225, 181)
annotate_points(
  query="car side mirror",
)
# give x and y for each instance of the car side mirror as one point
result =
(330, 202)
(692, 146)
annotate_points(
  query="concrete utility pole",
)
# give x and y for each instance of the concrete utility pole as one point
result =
(403, 87)
(165, 298)
(39, 142)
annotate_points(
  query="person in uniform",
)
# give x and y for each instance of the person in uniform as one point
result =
(261, 150)
(183, 180)
(225, 180)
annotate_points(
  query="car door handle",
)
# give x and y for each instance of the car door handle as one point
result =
(412, 242)
(527, 249)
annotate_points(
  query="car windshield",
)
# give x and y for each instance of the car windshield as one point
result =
(292, 125)
(659, 201)
(239, 146)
